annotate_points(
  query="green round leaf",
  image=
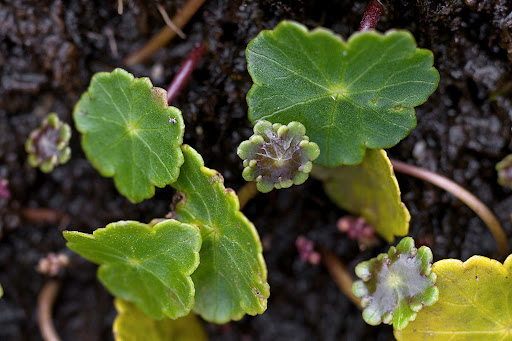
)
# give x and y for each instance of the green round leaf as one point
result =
(149, 266)
(131, 324)
(232, 277)
(130, 133)
(349, 95)
(475, 302)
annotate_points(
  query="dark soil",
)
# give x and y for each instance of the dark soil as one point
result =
(51, 48)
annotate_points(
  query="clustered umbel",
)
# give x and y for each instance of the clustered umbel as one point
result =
(396, 285)
(277, 156)
(4, 189)
(306, 249)
(358, 229)
(504, 168)
(47, 146)
(52, 264)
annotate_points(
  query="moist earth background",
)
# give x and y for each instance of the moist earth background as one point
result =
(49, 50)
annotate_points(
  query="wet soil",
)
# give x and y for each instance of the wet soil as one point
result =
(49, 49)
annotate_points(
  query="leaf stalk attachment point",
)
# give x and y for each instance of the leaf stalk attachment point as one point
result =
(465, 196)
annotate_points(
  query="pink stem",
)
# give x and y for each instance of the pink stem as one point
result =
(465, 196)
(185, 71)
(371, 16)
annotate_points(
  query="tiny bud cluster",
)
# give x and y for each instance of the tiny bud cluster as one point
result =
(47, 146)
(277, 156)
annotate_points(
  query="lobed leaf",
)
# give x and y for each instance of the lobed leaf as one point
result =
(232, 277)
(370, 190)
(396, 285)
(475, 301)
(130, 133)
(131, 324)
(349, 95)
(149, 266)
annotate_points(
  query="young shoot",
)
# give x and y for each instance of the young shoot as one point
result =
(47, 146)
(277, 156)
(394, 286)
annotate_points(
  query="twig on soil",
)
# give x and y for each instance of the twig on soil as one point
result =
(185, 71)
(247, 192)
(112, 42)
(371, 16)
(44, 310)
(42, 215)
(165, 34)
(120, 7)
(340, 275)
(465, 196)
(169, 22)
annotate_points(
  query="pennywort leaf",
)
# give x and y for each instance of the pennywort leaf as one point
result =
(474, 302)
(370, 190)
(131, 324)
(394, 286)
(130, 133)
(232, 277)
(350, 95)
(149, 266)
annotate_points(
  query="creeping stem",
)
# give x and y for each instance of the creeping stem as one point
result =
(246, 193)
(466, 197)
(371, 16)
(44, 310)
(165, 34)
(185, 71)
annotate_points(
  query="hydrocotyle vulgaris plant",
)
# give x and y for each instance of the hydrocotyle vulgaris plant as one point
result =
(474, 301)
(277, 156)
(220, 271)
(48, 145)
(394, 286)
(130, 133)
(350, 95)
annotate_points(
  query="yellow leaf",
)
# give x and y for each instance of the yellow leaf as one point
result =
(370, 190)
(475, 303)
(131, 324)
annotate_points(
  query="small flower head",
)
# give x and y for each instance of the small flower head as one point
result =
(358, 229)
(306, 249)
(4, 189)
(47, 146)
(277, 156)
(396, 285)
(504, 168)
